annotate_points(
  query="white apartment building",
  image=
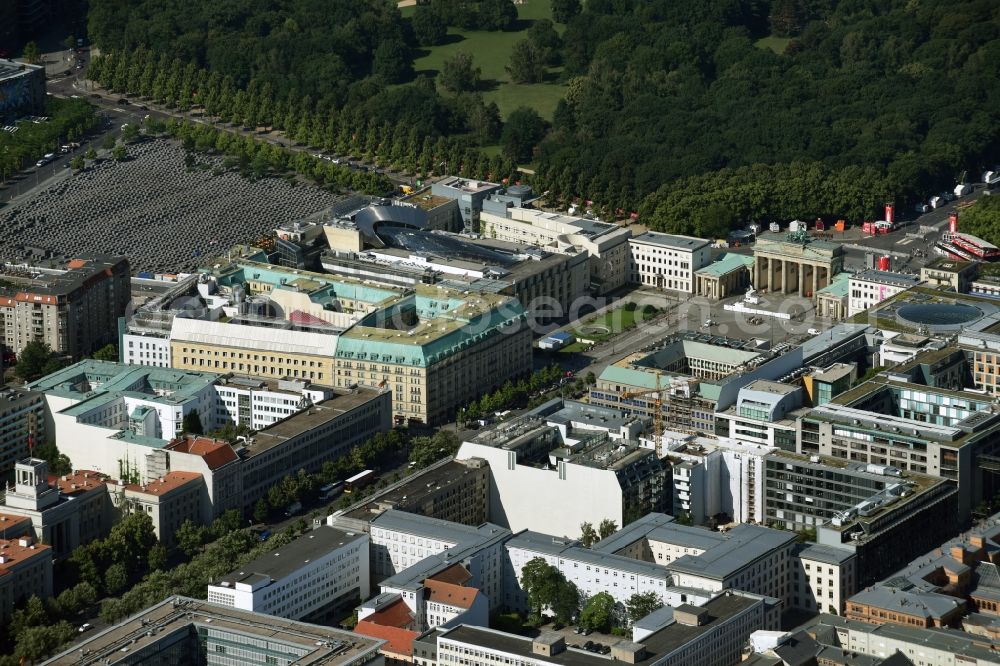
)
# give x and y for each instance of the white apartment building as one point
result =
(146, 349)
(666, 261)
(712, 476)
(747, 557)
(582, 470)
(753, 559)
(105, 415)
(258, 403)
(322, 572)
(466, 644)
(871, 287)
(765, 413)
(408, 548)
(400, 540)
(591, 571)
(711, 634)
(824, 578)
(686, 635)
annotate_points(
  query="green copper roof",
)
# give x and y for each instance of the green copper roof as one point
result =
(89, 378)
(322, 287)
(838, 287)
(444, 324)
(726, 264)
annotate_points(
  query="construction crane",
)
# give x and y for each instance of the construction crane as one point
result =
(657, 394)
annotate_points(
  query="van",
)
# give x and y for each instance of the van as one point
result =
(331, 490)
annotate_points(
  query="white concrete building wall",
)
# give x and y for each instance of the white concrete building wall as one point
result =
(96, 447)
(723, 644)
(883, 646)
(404, 549)
(863, 294)
(742, 485)
(669, 268)
(590, 578)
(146, 350)
(582, 494)
(823, 587)
(307, 589)
(769, 576)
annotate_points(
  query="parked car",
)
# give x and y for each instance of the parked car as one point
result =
(86, 626)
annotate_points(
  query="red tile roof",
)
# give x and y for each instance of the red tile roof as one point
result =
(80, 481)
(216, 452)
(13, 553)
(166, 483)
(305, 319)
(450, 594)
(392, 624)
(12, 526)
(455, 574)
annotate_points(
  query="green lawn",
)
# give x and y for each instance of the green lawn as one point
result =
(491, 52)
(776, 44)
(616, 321)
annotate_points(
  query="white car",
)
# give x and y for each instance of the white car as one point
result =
(814, 331)
(86, 626)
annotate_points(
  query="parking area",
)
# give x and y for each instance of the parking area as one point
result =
(595, 641)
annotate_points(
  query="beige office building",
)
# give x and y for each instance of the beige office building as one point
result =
(168, 501)
(436, 350)
(257, 351)
(606, 244)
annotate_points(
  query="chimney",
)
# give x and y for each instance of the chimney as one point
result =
(958, 554)
(548, 644)
(690, 616)
(628, 652)
(953, 222)
(888, 212)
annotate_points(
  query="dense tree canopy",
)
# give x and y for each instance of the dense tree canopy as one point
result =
(903, 93)
(983, 219)
(765, 108)
(290, 45)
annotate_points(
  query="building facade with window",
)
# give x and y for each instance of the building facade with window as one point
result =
(74, 310)
(25, 571)
(168, 501)
(316, 577)
(666, 261)
(871, 287)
